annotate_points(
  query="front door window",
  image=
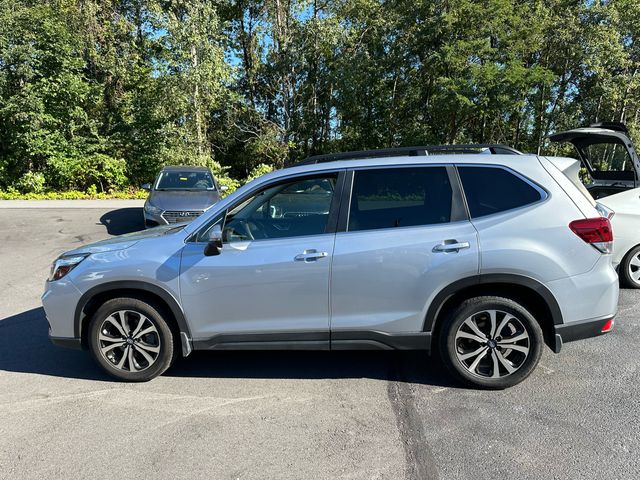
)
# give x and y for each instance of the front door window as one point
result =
(294, 209)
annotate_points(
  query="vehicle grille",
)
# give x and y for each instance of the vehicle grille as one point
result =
(177, 216)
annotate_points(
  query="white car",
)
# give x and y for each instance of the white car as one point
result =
(607, 154)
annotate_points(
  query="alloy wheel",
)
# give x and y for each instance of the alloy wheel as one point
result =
(492, 344)
(129, 341)
(634, 268)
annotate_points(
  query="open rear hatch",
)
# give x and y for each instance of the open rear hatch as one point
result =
(607, 153)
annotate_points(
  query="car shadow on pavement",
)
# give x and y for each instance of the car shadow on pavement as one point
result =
(123, 220)
(25, 348)
(410, 367)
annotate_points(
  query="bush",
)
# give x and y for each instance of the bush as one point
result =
(30, 182)
(258, 171)
(101, 177)
(222, 176)
(103, 171)
(231, 183)
(13, 194)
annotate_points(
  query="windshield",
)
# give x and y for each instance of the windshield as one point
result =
(184, 180)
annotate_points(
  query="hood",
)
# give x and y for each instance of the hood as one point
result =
(122, 242)
(606, 151)
(183, 199)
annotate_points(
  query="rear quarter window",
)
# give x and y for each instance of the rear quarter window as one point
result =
(492, 190)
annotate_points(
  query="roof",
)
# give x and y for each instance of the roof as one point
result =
(513, 161)
(525, 164)
(417, 151)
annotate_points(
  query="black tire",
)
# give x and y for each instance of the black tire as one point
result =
(626, 268)
(160, 338)
(453, 349)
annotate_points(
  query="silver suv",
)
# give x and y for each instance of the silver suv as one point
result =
(484, 258)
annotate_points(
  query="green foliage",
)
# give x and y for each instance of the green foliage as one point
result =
(96, 95)
(222, 176)
(90, 194)
(93, 170)
(258, 171)
(31, 182)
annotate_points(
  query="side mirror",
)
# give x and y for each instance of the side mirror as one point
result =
(224, 188)
(214, 241)
(146, 186)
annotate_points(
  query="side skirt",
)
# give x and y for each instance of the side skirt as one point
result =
(265, 341)
(341, 340)
(373, 340)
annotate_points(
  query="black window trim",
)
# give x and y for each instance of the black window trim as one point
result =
(459, 210)
(334, 208)
(544, 194)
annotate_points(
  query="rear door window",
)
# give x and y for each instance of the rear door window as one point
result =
(400, 197)
(493, 189)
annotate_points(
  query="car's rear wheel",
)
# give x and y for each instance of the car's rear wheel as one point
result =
(491, 342)
(630, 268)
(130, 339)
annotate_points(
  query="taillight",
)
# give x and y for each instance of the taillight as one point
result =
(607, 327)
(595, 231)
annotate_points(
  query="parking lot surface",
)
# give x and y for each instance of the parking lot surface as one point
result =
(297, 415)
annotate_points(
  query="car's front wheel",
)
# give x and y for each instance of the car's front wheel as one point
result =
(130, 339)
(491, 342)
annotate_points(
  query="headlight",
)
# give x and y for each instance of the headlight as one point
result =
(151, 209)
(64, 265)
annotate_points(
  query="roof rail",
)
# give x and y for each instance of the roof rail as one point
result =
(492, 148)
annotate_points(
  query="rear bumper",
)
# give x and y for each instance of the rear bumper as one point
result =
(580, 330)
(590, 296)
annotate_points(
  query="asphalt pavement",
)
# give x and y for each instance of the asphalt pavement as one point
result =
(293, 415)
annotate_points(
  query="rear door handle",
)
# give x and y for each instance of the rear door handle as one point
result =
(310, 256)
(450, 246)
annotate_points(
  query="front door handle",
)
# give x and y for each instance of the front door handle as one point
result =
(310, 256)
(450, 246)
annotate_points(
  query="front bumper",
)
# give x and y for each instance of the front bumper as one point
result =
(570, 332)
(59, 300)
(171, 217)
(151, 221)
(74, 343)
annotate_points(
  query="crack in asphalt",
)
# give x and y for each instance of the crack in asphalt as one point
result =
(420, 461)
